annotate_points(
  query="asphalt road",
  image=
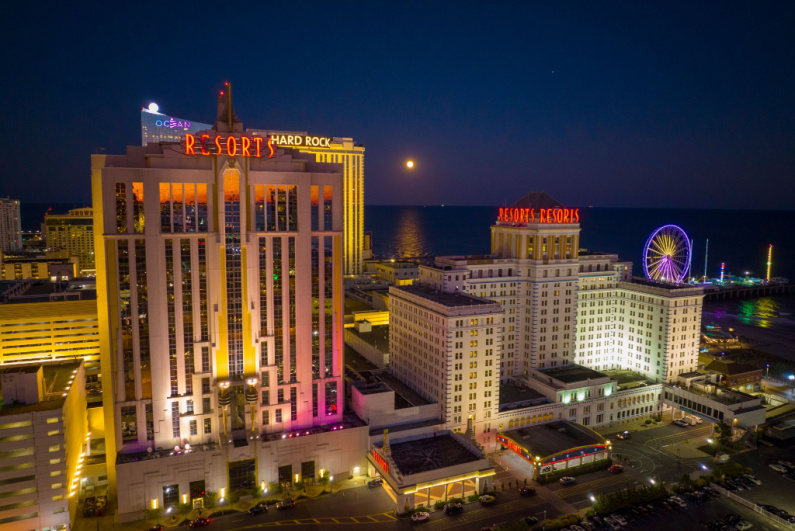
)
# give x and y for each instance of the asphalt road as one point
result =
(372, 509)
(652, 452)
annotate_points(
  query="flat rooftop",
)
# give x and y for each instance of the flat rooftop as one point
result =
(724, 395)
(57, 380)
(553, 438)
(404, 396)
(572, 373)
(664, 285)
(431, 453)
(378, 338)
(446, 298)
(514, 397)
(629, 379)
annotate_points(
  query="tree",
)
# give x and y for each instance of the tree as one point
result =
(723, 432)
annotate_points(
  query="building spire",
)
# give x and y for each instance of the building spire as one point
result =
(226, 120)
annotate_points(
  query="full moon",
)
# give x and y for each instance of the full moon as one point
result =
(410, 164)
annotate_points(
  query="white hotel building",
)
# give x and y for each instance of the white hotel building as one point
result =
(219, 277)
(446, 347)
(563, 307)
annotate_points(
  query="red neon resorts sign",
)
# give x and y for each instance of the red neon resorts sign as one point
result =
(542, 215)
(231, 146)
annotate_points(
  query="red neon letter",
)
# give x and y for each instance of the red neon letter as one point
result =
(577, 214)
(532, 216)
(502, 214)
(218, 145)
(246, 146)
(257, 143)
(190, 140)
(231, 146)
(565, 215)
(558, 216)
(204, 148)
(270, 146)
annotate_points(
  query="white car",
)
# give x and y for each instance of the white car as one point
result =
(677, 500)
(620, 519)
(752, 479)
(778, 468)
(575, 527)
(612, 522)
(742, 525)
(420, 517)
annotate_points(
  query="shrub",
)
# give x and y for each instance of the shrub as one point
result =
(748, 470)
(153, 514)
(473, 497)
(184, 508)
(275, 488)
(582, 469)
(439, 505)
(210, 499)
(648, 421)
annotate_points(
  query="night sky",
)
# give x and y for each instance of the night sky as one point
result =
(613, 104)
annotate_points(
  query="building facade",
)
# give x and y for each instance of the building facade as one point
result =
(446, 347)
(73, 234)
(219, 274)
(565, 305)
(158, 127)
(10, 225)
(43, 445)
(350, 156)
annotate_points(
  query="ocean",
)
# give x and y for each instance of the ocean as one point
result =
(738, 238)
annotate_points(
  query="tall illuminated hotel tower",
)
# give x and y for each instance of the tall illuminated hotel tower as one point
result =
(219, 274)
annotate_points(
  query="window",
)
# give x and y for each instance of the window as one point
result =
(208, 426)
(170, 495)
(242, 474)
(194, 430)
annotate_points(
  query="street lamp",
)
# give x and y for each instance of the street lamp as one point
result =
(651, 481)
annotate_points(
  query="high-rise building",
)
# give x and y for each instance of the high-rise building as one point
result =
(10, 225)
(350, 156)
(446, 347)
(158, 127)
(565, 305)
(219, 275)
(73, 234)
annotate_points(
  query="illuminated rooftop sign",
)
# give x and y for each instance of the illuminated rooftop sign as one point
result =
(300, 140)
(171, 123)
(231, 146)
(540, 215)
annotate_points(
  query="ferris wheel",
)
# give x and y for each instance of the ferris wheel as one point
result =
(666, 256)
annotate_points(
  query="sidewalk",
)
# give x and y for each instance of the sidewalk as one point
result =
(108, 521)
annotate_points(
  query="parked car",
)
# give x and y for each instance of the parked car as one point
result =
(567, 480)
(200, 522)
(778, 468)
(752, 479)
(615, 469)
(527, 491)
(289, 503)
(487, 499)
(742, 525)
(420, 517)
(373, 483)
(624, 435)
(530, 520)
(454, 508)
(620, 519)
(681, 423)
(157, 527)
(575, 527)
(261, 507)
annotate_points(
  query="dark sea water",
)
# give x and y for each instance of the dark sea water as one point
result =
(738, 238)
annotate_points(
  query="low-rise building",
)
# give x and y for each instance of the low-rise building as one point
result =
(700, 398)
(740, 376)
(43, 435)
(397, 273)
